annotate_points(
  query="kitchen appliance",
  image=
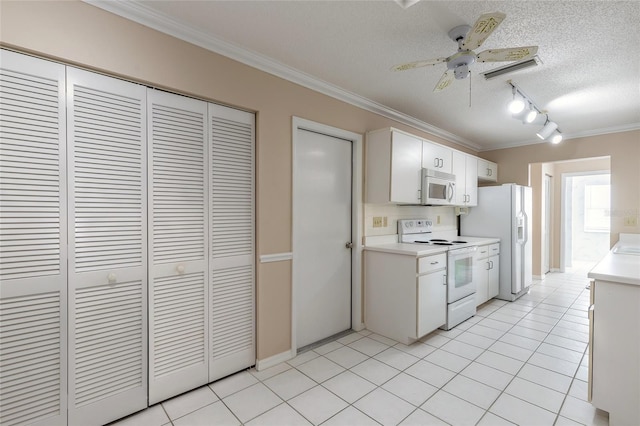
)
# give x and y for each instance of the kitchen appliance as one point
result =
(505, 212)
(461, 304)
(438, 188)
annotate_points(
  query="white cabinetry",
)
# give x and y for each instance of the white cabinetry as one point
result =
(487, 171)
(614, 349)
(393, 167)
(436, 157)
(405, 296)
(465, 168)
(486, 264)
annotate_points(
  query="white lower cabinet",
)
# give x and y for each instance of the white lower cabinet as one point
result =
(405, 295)
(486, 265)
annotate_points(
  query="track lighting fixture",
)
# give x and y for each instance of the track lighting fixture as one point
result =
(531, 114)
(523, 108)
(516, 105)
(546, 131)
(556, 137)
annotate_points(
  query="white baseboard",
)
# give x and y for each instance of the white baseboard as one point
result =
(358, 327)
(262, 364)
(538, 277)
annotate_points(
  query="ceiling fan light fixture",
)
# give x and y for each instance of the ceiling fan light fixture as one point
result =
(547, 130)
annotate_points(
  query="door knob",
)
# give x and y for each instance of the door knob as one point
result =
(349, 245)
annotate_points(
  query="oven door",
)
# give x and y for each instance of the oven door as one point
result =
(460, 273)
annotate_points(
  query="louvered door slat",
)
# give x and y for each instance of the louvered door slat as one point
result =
(107, 240)
(33, 277)
(178, 350)
(231, 315)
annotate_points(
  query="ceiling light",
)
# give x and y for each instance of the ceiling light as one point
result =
(547, 130)
(531, 114)
(516, 105)
(556, 137)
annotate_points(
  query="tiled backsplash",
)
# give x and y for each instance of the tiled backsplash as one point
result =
(447, 217)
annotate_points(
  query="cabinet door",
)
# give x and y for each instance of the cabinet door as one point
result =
(178, 235)
(33, 240)
(494, 277)
(471, 180)
(232, 253)
(432, 302)
(107, 247)
(459, 165)
(436, 157)
(487, 171)
(406, 168)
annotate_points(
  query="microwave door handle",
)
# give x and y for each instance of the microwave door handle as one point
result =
(450, 189)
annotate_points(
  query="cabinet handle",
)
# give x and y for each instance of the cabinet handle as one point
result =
(435, 162)
(491, 261)
(419, 194)
(444, 280)
(488, 267)
(441, 162)
(435, 263)
(489, 172)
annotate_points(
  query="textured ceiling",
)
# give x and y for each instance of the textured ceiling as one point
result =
(589, 80)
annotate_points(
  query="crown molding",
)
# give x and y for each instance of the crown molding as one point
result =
(568, 136)
(134, 11)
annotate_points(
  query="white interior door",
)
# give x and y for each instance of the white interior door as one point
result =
(322, 229)
(33, 263)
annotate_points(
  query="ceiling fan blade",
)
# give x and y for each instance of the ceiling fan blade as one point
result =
(417, 64)
(482, 29)
(508, 54)
(444, 82)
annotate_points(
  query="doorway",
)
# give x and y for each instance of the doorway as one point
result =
(548, 208)
(326, 250)
(586, 218)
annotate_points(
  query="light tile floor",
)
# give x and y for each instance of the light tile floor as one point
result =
(519, 363)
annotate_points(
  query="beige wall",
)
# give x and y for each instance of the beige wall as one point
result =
(78, 33)
(622, 148)
(536, 181)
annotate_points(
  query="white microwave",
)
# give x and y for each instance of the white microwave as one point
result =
(438, 188)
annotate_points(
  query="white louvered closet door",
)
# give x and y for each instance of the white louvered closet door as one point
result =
(107, 247)
(232, 258)
(178, 350)
(33, 276)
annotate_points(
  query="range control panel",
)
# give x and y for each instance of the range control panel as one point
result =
(414, 226)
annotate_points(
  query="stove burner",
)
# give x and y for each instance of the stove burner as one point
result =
(436, 240)
(459, 242)
(422, 242)
(441, 244)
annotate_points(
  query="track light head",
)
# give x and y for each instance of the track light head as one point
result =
(547, 130)
(556, 137)
(516, 105)
(531, 114)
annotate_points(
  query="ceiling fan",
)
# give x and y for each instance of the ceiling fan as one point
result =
(468, 39)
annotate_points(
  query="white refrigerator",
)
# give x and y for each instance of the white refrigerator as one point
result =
(505, 212)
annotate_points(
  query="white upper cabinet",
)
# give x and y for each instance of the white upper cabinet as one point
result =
(436, 157)
(394, 166)
(465, 168)
(487, 170)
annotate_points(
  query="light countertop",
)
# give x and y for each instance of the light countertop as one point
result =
(617, 266)
(419, 250)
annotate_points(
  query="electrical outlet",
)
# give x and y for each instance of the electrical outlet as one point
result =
(631, 221)
(377, 222)
(384, 222)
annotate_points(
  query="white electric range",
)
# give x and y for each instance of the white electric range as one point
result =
(461, 303)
